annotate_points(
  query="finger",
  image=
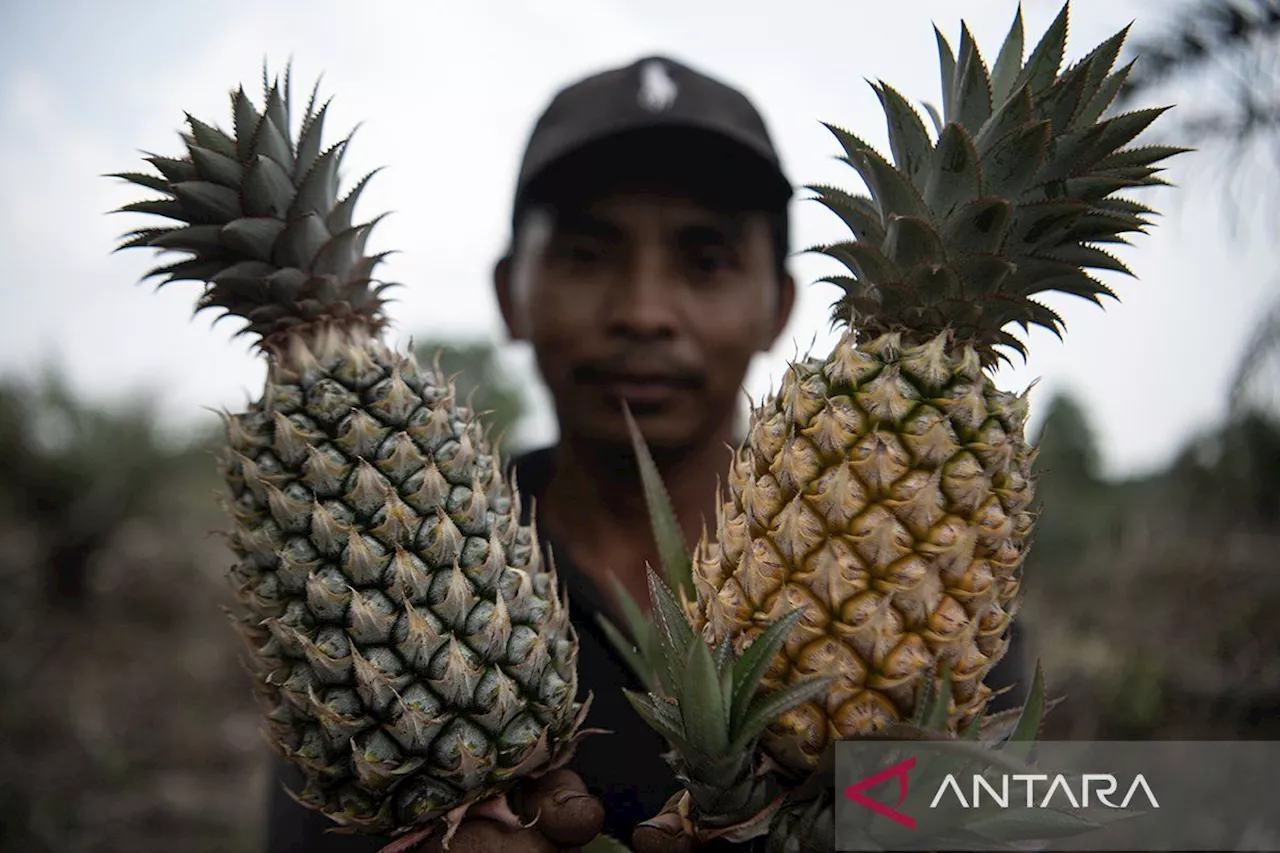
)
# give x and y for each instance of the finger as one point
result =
(566, 812)
(481, 836)
(663, 833)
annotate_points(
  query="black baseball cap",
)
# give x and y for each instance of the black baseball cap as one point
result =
(656, 113)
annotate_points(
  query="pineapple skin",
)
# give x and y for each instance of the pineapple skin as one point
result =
(885, 492)
(409, 648)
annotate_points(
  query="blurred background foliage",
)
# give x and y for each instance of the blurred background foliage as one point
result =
(129, 725)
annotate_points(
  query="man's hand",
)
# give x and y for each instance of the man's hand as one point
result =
(669, 831)
(564, 816)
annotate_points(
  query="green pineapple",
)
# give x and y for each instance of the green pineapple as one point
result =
(411, 650)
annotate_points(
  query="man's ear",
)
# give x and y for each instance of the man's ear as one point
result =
(783, 306)
(512, 317)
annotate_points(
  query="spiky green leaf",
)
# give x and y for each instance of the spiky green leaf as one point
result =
(253, 236)
(210, 138)
(931, 285)
(1046, 58)
(246, 279)
(1101, 60)
(754, 663)
(196, 269)
(197, 239)
(936, 710)
(341, 252)
(971, 99)
(217, 167)
(702, 707)
(142, 179)
(270, 141)
(206, 202)
(1013, 112)
(954, 174)
(1145, 155)
(979, 227)
(770, 707)
(173, 170)
(318, 190)
(1021, 742)
(947, 67)
(912, 241)
(867, 262)
(343, 214)
(724, 657)
(661, 716)
(267, 189)
(934, 116)
(637, 623)
(300, 242)
(310, 140)
(246, 119)
(1013, 161)
(1061, 102)
(277, 111)
(908, 140)
(629, 652)
(892, 192)
(1089, 257)
(673, 552)
(1009, 60)
(858, 213)
(142, 237)
(674, 632)
(1103, 96)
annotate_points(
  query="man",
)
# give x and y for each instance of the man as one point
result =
(648, 266)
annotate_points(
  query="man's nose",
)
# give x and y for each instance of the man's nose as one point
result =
(644, 304)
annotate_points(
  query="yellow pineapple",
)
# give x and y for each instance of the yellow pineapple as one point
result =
(885, 492)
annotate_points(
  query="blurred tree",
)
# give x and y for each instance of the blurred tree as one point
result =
(1255, 388)
(1068, 446)
(1070, 485)
(1230, 477)
(1223, 57)
(77, 473)
(479, 376)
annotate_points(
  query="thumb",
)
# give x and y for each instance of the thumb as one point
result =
(566, 812)
(666, 832)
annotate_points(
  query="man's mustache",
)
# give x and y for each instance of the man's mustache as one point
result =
(637, 364)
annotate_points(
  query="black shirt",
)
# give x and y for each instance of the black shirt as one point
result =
(625, 769)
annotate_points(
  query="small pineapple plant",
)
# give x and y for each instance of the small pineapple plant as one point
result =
(881, 506)
(411, 650)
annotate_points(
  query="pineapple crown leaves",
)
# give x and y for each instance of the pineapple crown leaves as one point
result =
(1011, 195)
(705, 702)
(263, 223)
(711, 710)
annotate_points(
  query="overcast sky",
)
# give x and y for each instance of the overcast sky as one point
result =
(447, 94)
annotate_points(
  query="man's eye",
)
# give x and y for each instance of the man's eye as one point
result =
(709, 262)
(577, 253)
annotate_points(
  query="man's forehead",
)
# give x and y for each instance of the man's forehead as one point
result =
(627, 206)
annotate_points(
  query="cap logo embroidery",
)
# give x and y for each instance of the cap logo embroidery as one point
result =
(657, 90)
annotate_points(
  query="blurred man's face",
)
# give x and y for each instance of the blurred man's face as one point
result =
(647, 297)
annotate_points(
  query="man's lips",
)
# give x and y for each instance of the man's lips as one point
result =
(638, 386)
